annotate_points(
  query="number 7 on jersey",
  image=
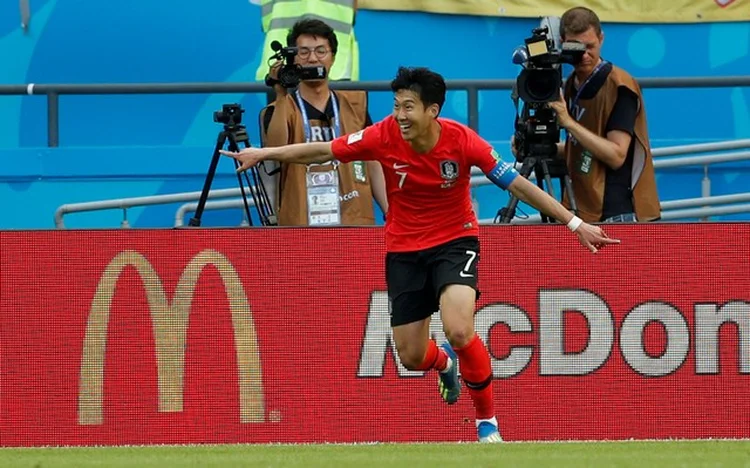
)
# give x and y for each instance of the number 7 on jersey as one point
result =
(402, 174)
(466, 272)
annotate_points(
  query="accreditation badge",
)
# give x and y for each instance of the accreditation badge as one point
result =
(323, 200)
(358, 170)
(586, 160)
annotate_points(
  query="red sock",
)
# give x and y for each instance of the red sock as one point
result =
(476, 372)
(434, 358)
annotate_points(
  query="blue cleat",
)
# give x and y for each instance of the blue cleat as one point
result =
(448, 383)
(487, 432)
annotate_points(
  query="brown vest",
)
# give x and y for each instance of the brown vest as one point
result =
(589, 187)
(286, 127)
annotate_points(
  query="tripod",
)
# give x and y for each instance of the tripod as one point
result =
(234, 133)
(545, 169)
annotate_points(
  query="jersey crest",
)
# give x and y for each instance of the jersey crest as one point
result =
(449, 170)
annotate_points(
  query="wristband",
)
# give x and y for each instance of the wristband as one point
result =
(574, 223)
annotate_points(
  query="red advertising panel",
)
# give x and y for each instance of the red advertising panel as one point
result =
(282, 335)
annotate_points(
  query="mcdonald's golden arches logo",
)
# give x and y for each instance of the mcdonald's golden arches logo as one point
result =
(169, 321)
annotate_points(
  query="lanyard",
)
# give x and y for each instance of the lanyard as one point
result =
(574, 103)
(306, 122)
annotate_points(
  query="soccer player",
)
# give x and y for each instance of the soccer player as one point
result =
(431, 229)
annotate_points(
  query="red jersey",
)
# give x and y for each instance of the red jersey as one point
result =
(429, 198)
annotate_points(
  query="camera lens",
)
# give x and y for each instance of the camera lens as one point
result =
(542, 85)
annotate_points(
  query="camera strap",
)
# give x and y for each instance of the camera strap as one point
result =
(306, 121)
(596, 70)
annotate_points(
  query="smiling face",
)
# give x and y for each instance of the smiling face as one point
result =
(412, 116)
(418, 96)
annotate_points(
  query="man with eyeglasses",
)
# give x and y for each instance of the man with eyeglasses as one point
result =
(278, 16)
(332, 193)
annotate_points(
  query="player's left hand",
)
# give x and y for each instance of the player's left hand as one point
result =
(561, 109)
(593, 237)
(248, 157)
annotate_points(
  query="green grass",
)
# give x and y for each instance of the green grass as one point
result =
(636, 454)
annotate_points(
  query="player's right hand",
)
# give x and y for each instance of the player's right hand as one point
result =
(248, 157)
(593, 237)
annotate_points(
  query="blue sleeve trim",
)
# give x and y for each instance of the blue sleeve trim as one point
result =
(503, 175)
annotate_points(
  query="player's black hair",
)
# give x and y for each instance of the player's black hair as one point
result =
(315, 28)
(430, 86)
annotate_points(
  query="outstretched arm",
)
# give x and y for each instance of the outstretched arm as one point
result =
(299, 153)
(506, 177)
(531, 194)
(592, 237)
(363, 145)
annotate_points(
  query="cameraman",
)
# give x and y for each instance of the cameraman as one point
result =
(313, 113)
(607, 149)
(330, 193)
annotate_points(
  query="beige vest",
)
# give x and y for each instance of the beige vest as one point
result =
(589, 187)
(286, 127)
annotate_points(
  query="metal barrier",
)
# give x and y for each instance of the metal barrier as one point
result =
(686, 149)
(701, 207)
(472, 87)
(125, 203)
(183, 210)
(701, 148)
(478, 179)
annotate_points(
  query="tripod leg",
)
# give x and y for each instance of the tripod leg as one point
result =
(233, 147)
(548, 179)
(196, 219)
(569, 191)
(261, 200)
(260, 196)
(509, 212)
(542, 178)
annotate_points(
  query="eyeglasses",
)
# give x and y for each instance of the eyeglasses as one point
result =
(320, 52)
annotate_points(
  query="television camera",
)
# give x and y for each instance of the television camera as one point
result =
(536, 129)
(290, 73)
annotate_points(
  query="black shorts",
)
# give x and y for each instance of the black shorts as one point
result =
(416, 279)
